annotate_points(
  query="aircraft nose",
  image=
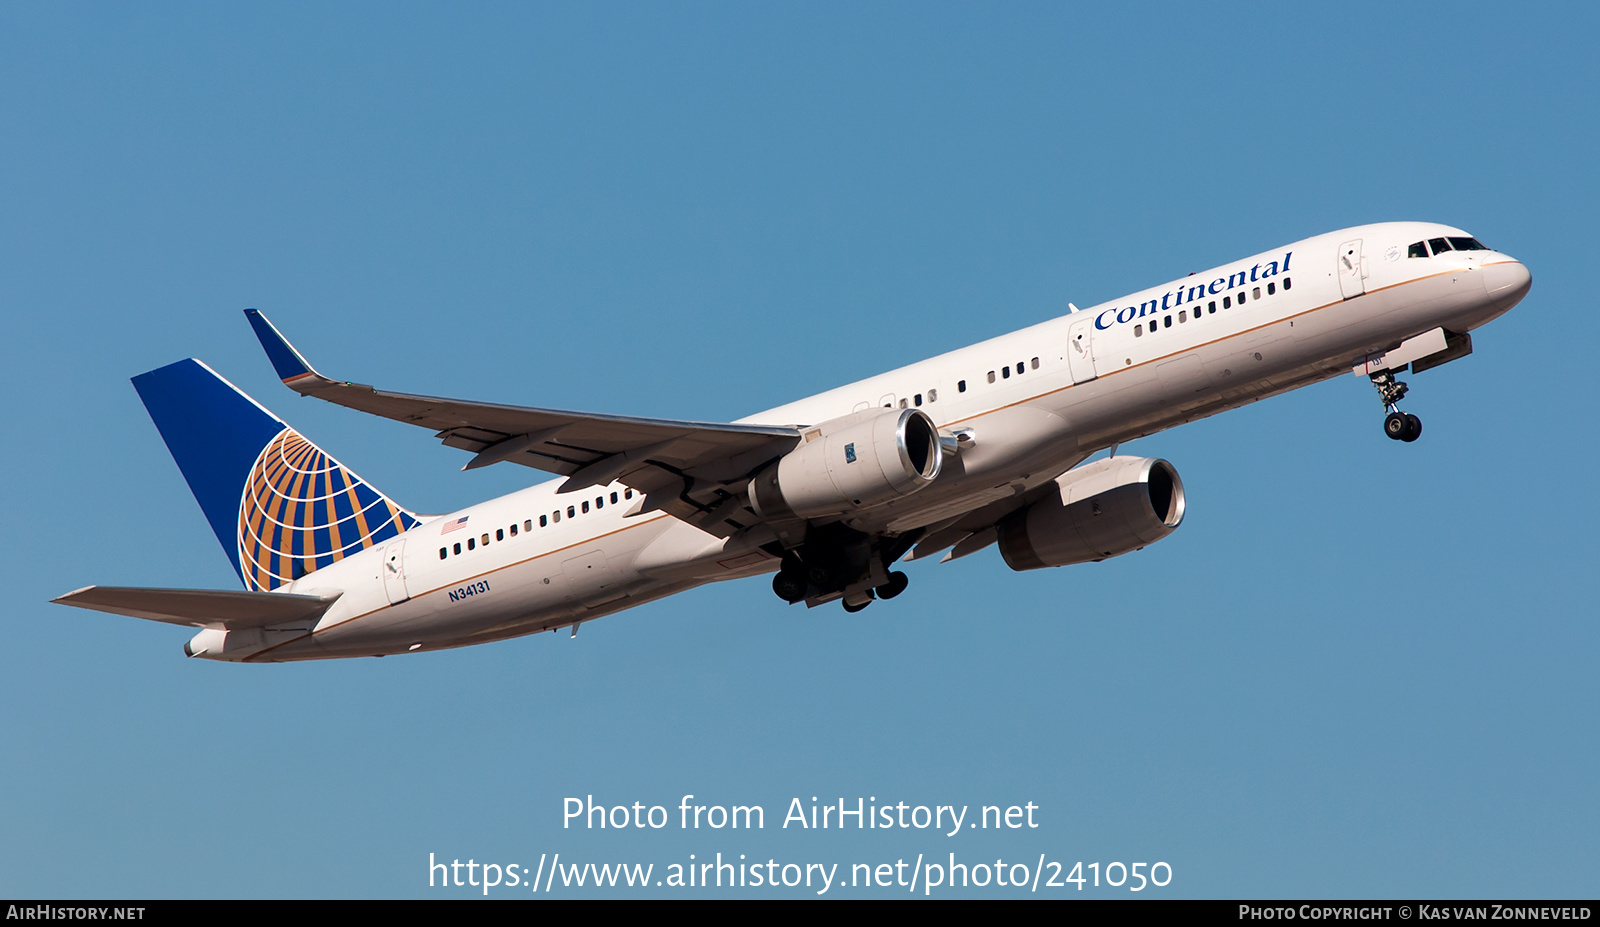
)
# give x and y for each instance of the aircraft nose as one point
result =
(1509, 280)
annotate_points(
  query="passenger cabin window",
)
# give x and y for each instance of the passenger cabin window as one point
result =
(1138, 330)
(933, 395)
(613, 498)
(444, 552)
(457, 548)
(544, 520)
(1272, 288)
(991, 376)
(499, 535)
(1287, 282)
(528, 525)
(1005, 373)
(961, 386)
(471, 544)
(1034, 363)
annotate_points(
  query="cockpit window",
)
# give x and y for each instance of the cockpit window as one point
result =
(1417, 249)
(1439, 245)
(1467, 244)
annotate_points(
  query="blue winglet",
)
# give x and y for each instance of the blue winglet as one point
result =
(288, 362)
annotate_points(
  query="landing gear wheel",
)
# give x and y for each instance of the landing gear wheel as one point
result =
(1413, 428)
(789, 586)
(897, 584)
(1397, 425)
(857, 602)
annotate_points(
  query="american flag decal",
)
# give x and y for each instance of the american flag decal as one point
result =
(452, 525)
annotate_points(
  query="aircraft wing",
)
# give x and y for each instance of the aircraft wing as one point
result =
(686, 468)
(202, 608)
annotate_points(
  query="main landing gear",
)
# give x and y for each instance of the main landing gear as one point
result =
(844, 567)
(1400, 426)
(791, 585)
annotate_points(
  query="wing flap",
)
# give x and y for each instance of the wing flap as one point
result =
(202, 608)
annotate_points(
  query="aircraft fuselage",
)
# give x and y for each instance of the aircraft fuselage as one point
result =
(1028, 406)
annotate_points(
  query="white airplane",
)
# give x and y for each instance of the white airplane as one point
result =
(984, 445)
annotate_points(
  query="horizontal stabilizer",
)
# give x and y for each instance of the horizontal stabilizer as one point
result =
(203, 608)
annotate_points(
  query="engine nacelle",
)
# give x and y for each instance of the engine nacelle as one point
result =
(855, 462)
(1099, 510)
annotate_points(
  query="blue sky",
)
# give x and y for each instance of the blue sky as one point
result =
(1358, 669)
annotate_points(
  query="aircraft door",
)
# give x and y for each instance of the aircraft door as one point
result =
(1350, 273)
(1080, 349)
(394, 571)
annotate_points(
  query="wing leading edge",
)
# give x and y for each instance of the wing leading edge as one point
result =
(694, 470)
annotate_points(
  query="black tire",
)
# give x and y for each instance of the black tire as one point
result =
(897, 584)
(1396, 425)
(1413, 428)
(790, 587)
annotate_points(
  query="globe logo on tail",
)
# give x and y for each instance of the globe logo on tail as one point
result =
(301, 510)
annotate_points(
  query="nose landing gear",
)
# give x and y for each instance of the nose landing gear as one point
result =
(1400, 426)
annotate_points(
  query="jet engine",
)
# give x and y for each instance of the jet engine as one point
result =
(851, 463)
(1099, 510)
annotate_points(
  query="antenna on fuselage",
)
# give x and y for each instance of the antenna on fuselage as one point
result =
(1073, 308)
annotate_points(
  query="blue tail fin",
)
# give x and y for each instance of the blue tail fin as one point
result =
(279, 505)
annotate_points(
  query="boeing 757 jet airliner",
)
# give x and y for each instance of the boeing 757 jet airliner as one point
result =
(982, 446)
